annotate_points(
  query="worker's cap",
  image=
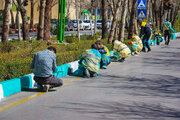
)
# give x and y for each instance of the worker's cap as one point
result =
(98, 42)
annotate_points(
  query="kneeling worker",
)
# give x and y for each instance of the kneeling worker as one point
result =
(89, 63)
(105, 59)
(136, 44)
(44, 64)
(158, 37)
(121, 51)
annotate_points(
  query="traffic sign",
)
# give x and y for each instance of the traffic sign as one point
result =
(142, 13)
(141, 4)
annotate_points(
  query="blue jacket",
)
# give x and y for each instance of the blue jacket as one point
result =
(145, 29)
(167, 26)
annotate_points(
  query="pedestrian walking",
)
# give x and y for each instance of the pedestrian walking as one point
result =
(167, 31)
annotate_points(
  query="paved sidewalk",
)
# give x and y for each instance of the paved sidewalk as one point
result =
(145, 87)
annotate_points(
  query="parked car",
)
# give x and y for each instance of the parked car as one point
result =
(108, 24)
(69, 25)
(87, 24)
(99, 24)
(81, 24)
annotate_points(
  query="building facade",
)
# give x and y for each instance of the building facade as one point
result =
(70, 8)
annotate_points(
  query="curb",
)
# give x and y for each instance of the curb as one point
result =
(1, 92)
(16, 85)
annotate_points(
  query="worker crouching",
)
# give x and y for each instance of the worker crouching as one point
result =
(121, 51)
(158, 37)
(105, 56)
(136, 44)
(89, 63)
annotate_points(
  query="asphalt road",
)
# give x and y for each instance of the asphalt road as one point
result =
(145, 87)
(34, 34)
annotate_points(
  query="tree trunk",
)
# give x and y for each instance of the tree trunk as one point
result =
(41, 20)
(152, 14)
(114, 10)
(12, 19)
(18, 25)
(6, 15)
(132, 21)
(25, 23)
(148, 8)
(113, 25)
(24, 20)
(32, 15)
(104, 19)
(123, 18)
(136, 30)
(175, 15)
(47, 20)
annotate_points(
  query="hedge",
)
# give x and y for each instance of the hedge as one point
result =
(16, 56)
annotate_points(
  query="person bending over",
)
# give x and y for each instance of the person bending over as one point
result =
(145, 34)
(121, 51)
(105, 56)
(43, 65)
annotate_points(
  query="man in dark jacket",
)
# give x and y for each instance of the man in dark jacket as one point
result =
(146, 34)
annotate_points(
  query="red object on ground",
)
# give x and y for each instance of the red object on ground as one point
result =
(130, 43)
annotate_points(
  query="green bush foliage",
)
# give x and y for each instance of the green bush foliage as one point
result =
(16, 56)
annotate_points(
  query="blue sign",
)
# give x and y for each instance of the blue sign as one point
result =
(141, 4)
(98, 11)
(142, 13)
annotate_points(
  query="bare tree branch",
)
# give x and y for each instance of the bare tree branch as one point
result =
(15, 3)
(35, 2)
(54, 3)
(111, 6)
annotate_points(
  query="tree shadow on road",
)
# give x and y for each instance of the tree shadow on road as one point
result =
(117, 110)
(148, 85)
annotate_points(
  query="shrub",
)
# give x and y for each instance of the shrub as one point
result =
(13, 69)
(16, 56)
(71, 39)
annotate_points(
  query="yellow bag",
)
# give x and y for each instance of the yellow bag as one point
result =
(122, 49)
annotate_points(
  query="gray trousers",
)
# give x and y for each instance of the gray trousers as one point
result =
(52, 81)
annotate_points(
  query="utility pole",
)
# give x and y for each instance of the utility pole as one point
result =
(91, 26)
(18, 20)
(95, 23)
(91, 19)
